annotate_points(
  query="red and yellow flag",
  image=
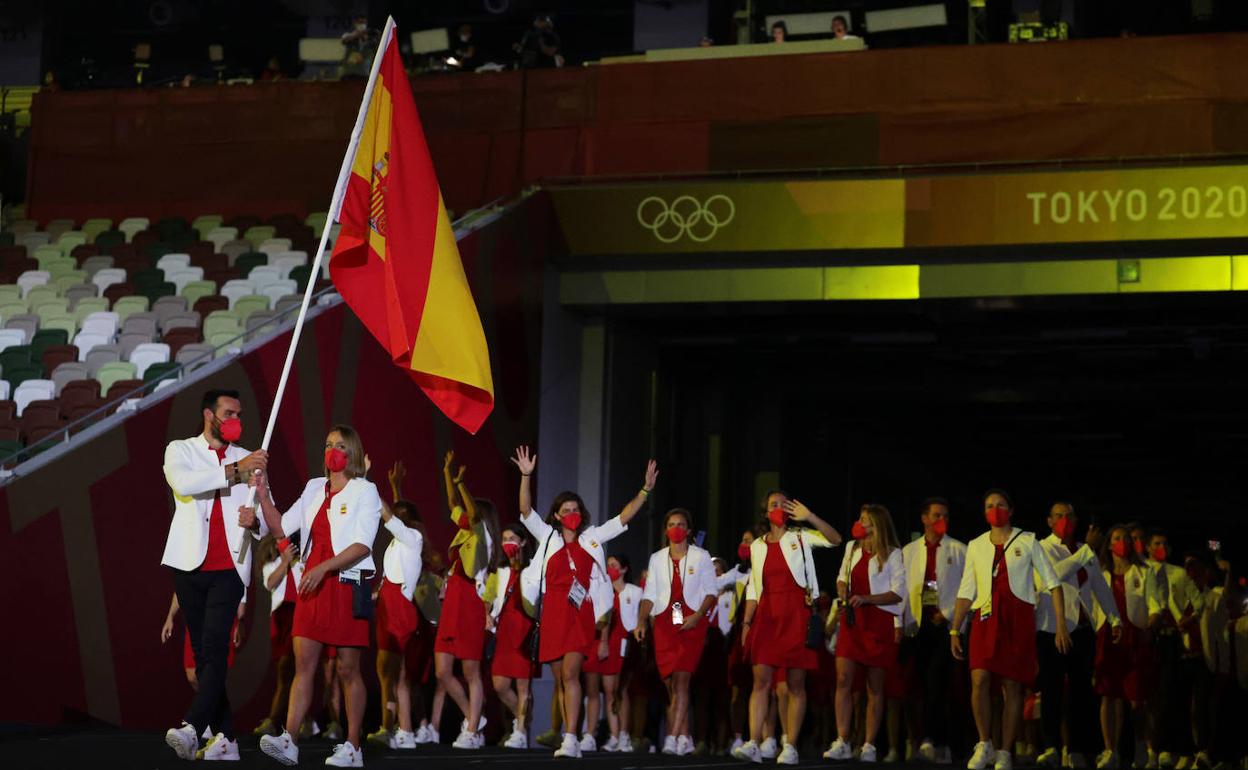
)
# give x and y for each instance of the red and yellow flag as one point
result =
(396, 262)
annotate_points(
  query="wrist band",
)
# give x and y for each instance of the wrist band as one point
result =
(645, 491)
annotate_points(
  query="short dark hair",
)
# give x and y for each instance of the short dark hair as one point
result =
(841, 18)
(406, 511)
(209, 401)
(781, 25)
(997, 491)
(566, 497)
(623, 559)
(928, 502)
(762, 504)
(1066, 503)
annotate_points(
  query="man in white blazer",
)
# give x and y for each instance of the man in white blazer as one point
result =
(933, 565)
(210, 560)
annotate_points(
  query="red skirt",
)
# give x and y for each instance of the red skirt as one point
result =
(511, 651)
(396, 618)
(778, 631)
(281, 623)
(1123, 670)
(326, 615)
(1005, 643)
(614, 662)
(674, 649)
(870, 641)
(461, 629)
(419, 654)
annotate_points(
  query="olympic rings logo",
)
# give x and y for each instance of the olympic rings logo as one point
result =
(685, 216)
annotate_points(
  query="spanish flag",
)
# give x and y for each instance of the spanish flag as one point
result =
(396, 263)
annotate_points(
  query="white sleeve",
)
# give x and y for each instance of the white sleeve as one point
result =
(967, 588)
(368, 517)
(842, 575)
(728, 579)
(534, 524)
(405, 534)
(897, 574)
(1104, 596)
(707, 578)
(1045, 573)
(292, 519)
(186, 481)
(647, 592)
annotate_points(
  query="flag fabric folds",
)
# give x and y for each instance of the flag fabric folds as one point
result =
(396, 262)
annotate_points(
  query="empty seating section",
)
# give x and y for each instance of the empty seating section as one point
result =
(94, 310)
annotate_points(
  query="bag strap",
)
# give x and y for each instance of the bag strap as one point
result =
(801, 546)
(541, 583)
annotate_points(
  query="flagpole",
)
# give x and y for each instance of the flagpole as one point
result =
(335, 207)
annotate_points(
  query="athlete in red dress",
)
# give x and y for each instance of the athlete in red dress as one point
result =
(1123, 666)
(512, 669)
(604, 669)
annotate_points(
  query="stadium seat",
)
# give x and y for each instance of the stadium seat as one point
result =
(39, 413)
(54, 227)
(221, 322)
(10, 433)
(257, 322)
(7, 238)
(88, 341)
(127, 306)
(249, 261)
(154, 251)
(64, 322)
(14, 356)
(132, 225)
(263, 275)
(88, 305)
(140, 323)
(300, 276)
(59, 267)
(12, 338)
(225, 343)
(96, 225)
(147, 277)
(45, 254)
(258, 234)
(194, 290)
(288, 304)
(102, 322)
(8, 409)
(211, 262)
(44, 304)
(173, 261)
(70, 372)
(194, 354)
(120, 291)
(206, 223)
(277, 290)
(128, 341)
(235, 248)
(81, 411)
(18, 374)
(78, 292)
(67, 280)
(55, 355)
(108, 241)
(100, 355)
(83, 252)
(95, 264)
(219, 236)
(187, 319)
(156, 291)
(161, 371)
(123, 388)
(108, 276)
(34, 240)
(32, 278)
(31, 390)
(41, 293)
(199, 250)
(71, 239)
(7, 450)
(271, 246)
(221, 277)
(166, 306)
(253, 303)
(111, 373)
(206, 305)
(29, 324)
(10, 291)
(232, 290)
(180, 277)
(147, 354)
(286, 261)
(179, 336)
(10, 308)
(316, 220)
(44, 339)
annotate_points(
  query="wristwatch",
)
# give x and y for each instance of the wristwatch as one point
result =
(954, 632)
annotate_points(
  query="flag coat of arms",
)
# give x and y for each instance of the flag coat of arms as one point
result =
(396, 262)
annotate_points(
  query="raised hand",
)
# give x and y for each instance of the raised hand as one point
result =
(459, 477)
(652, 474)
(795, 509)
(449, 461)
(525, 461)
(396, 474)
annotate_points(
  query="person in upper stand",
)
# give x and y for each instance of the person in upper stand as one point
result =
(570, 575)
(337, 517)
(1005, 567)
(511, 618)
(1084, 589)
(677, 600)
(782, 589)
(603, 669)
(872, 588)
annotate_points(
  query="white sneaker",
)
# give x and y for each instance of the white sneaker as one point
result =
(748, 752)
(207, 734)
(788, 756)
(588, 743)
(1004, 761)
(426, 734)
(684, 746)
(612, 745)
(466, 740)
(518, 739)
(1108, 760)
(867, 754)
(1050, 757)
(669, 745)
(281, 748)
(403, 739)
(736, 744)
(839, 751)
(769, 749)
(570, 748)
(626, 743)
(481, 723)
(927, 751)
(982, 757)
(183, 741)
(345, 755)
(219, 749)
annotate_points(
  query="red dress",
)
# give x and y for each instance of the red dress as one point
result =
(566, 628)
(1005, 642)
(282, 620)
(674, 649)
(870, 641)
(396, 618)
(511, 651)
(326, 614)
(1123, 670)
(461, 629)
(616, 635)
(778, 630)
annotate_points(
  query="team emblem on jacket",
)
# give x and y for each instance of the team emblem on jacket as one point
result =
(343, 511)
(691, 570)
(593, 544)
(792, 546)
(1018, 551)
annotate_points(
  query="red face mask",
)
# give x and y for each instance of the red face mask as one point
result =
(777, 516)
(940, 527)
(998, 516)
(642, 584)
(613, 573)
(743, 551)
(1140, 547)
(1064, 528)
(571, 520)
(677, 534)
(1119, 549)
(335, 460)
(857, 531)
(511, 549)
(231, 430)
(1158, 553)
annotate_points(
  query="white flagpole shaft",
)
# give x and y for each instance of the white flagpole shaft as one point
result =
(335, 207)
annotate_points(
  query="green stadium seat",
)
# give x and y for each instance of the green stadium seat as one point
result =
(156, 291)
(156, 372)
(18, 374)
(246, 262)
(124, 306)
(113, 372)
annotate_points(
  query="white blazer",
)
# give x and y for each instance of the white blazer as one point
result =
(591, 539)
(697, 576)
(890, 577)
(630, 605)
(195, 476)
(1141, 595)
(402, 562)
(796, 544)
(950, 561)
(1095, 592)
(1023, 558)
(354, 516)
(278, 595)
(1175, 590)
(496, 590)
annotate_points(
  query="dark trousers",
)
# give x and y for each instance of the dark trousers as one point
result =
(1206, 702)
(209, 602)
(1172, 702)
(933, 666)
(1070, 675)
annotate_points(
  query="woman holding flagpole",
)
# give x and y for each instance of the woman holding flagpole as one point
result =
(575, 592)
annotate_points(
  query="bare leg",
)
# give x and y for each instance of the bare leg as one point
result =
(439, 702)
(593, 706)
(502, 688)
(388, 664)
(281, 696)
(523, 701)
(1012, 717)
(981, 703)
(875, 703)
(845, 671)
(307, 658)
(681, 680)
(352, 680)
(444, 663)
(760, 701)
(571, 668)
(476, 693)
(796, 680)
(403, 697)
(615, 712)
